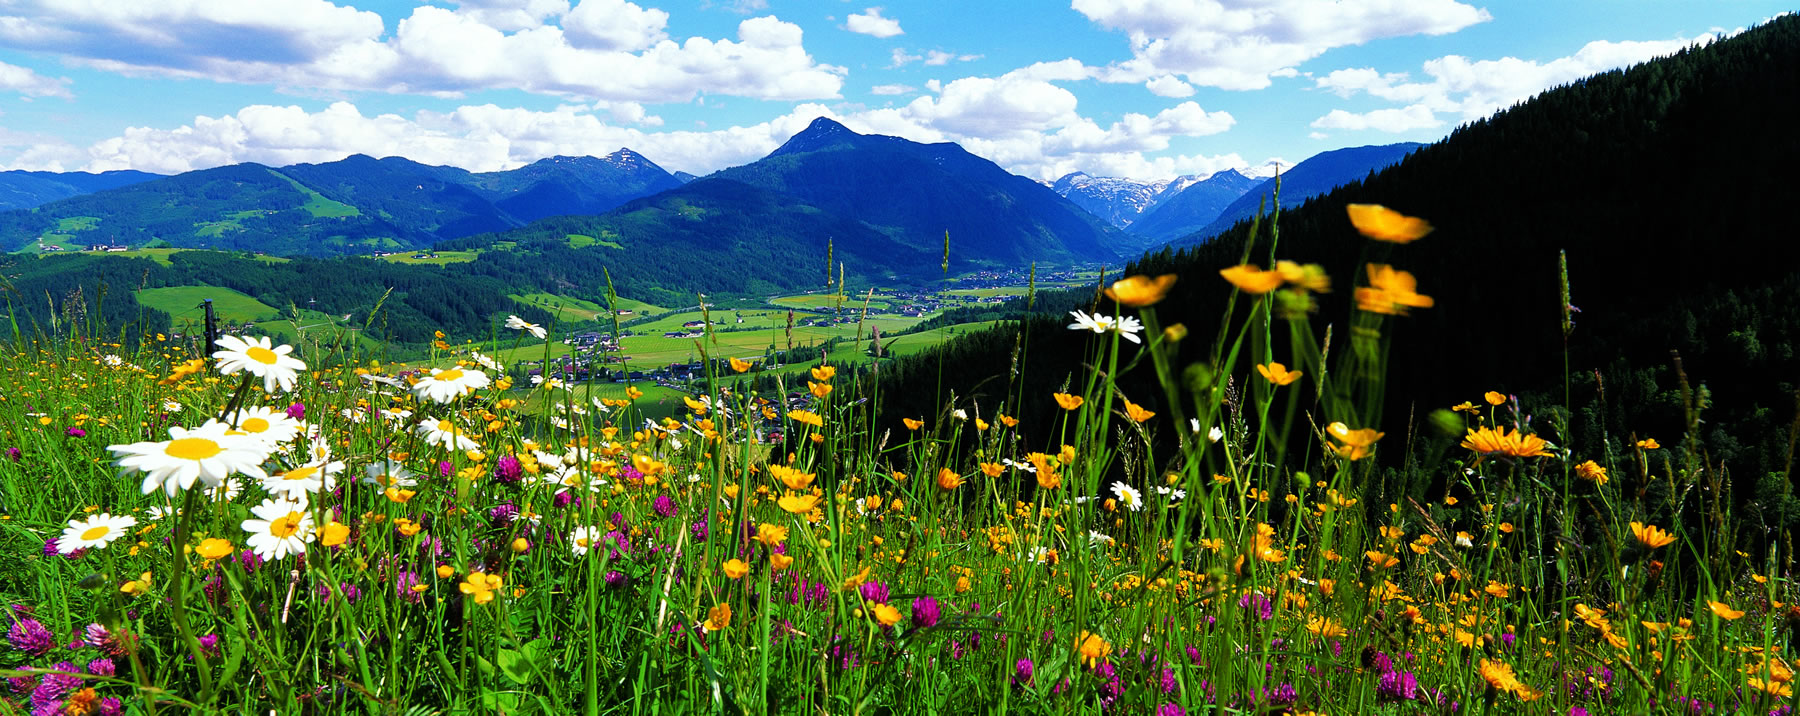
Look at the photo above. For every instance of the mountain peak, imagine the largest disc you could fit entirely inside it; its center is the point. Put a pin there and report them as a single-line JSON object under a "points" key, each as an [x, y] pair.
{"points": [[822, 133]]}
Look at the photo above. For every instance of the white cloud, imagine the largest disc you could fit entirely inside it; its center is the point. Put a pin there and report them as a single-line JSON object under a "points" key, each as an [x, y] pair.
{"points": [[29, 83], [899, 58], [614, 25], [1472, 89], [870, 22], [605, 49], [935, 58], [1168, 86], [1240, 44], [892, 89], [510, 15], [1404, 119]]}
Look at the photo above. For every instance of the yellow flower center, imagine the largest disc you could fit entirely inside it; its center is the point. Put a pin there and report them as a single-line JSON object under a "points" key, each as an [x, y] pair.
{"points": [[262, 355], [255, 425], [446, 426], [192, 449], [94, 533], [449, 375], [300, 473], [286, 526]]}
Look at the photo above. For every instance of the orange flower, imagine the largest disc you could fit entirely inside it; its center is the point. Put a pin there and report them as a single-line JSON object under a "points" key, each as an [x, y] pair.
{"points": [[1250, 279], [948, 479], [771, 534], [824, 373], [1008, 420], [1140, 291], [1137, 413], [1381, 560], [1651, 536], [1648, 444], [806, 416], [1356, 443], [1278, 374], [214, 548], [798, 504], [1490, 441], [719, 617], [1048, 479], [1310, 277], [886, 614], [1592, 472], [740, 365], [1326, 627], [780, 562], [1390, 291], [1069, 402], [736, 569], [793, 479], [1494, 397], [1724, 611], [992, 469], [912, 424], [819, 390], [1093, 648], [334, 534], [1383, 224]]}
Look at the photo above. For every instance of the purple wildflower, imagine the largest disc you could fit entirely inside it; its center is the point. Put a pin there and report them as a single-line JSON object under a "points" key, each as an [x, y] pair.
{"points": [[664, 506], [75, 433], [297, 411], [30, 636], [925, 612], [874, 591]]}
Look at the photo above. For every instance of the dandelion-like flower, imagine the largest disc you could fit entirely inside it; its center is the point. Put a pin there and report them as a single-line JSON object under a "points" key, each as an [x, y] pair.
{"points": [[206, 454], [284, 528], [1651, 535], [448, 384], [262, 358], [519, 324]]}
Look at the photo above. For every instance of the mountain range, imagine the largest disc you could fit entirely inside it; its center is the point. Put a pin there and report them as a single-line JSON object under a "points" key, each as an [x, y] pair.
{"points": [[353, 205], [23, 189]]}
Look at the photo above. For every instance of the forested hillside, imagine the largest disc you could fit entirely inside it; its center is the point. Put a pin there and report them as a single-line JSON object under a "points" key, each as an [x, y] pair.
{"points": [[1665, 184]]}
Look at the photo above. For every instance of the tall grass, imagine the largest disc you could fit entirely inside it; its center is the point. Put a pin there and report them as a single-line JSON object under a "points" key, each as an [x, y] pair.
{"points": [[1262, 561]]}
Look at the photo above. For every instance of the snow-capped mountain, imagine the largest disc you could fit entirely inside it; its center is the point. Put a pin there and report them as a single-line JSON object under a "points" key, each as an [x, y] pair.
{"points": [[1119, 201]]}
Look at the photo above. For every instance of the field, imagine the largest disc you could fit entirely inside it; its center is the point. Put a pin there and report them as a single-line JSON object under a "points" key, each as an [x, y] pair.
{"points": [[182, 303], [1254, 541], [433, 258]]}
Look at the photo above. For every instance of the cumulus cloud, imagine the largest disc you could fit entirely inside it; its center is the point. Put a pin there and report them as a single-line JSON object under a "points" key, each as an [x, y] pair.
{"points": [[1169, 86], [1471, 89], [510, 15], [1240, 44], [604, 49], [892, 89], [870, 22], [1404, 119], [935, 58], [29, 83]]}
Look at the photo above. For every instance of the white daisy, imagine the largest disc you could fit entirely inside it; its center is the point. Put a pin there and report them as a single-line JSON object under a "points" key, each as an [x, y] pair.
{"points": [[206, 454], [267, 424], [388, 473], [112, 360], [95, 531], [519, 324], [582, 538], [354, 415], [551, 384], [486, 362], [158, 513], [262, 358], [1128, 496], [284, 529], [304, 480], [1025, 466], [381, 379], [396, 415], [170, 406], [227, 490], [1125, 326], [445, 385], [1095, 538], [445, 433]]}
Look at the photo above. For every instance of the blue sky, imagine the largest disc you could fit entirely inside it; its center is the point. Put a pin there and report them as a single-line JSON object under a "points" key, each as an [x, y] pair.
{"points": [[1132, 88]]}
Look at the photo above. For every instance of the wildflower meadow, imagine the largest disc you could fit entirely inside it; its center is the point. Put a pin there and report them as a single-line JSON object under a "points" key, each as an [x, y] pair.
{"points": [[265, 528]]}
